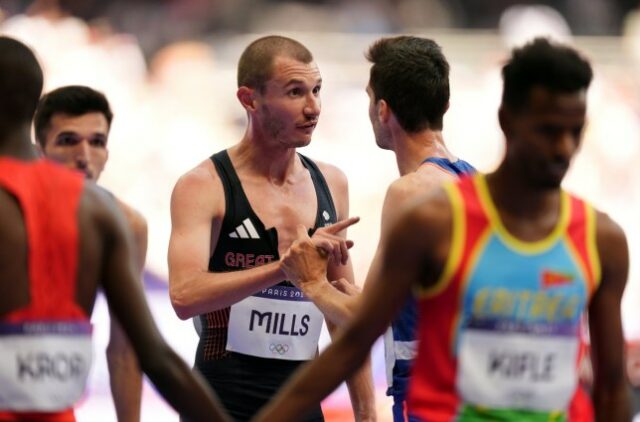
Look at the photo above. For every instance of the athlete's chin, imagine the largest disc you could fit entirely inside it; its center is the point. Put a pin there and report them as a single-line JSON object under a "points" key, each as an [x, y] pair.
{"points": [[549, 183], [300, 143]]}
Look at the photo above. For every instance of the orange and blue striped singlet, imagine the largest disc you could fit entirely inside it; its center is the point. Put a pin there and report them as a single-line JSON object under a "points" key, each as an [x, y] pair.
{"points": [[500, 331]]}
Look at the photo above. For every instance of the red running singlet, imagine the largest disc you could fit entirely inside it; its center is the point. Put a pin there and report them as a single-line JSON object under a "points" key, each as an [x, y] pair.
{"points": [[49, 198]]}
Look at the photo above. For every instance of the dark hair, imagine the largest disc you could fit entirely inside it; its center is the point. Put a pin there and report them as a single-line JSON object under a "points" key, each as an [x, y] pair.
{"points": [[74, 100], [256, 62], [20, 83], [412, 75], [556, 67]]}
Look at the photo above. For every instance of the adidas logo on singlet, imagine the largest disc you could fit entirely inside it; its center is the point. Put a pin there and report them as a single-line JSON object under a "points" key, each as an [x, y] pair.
{"points": [[246, 230]]}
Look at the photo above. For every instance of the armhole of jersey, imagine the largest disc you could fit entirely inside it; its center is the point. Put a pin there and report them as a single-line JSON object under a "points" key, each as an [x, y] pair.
{"points": [[220, 161], [319, 181], [592, 245], [458, 231]]}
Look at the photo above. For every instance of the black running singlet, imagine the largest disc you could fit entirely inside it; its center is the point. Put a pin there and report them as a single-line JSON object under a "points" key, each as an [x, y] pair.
{"points": [[243, 382]]}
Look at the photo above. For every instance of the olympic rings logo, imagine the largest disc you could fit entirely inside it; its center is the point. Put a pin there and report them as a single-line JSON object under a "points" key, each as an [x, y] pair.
{"points": [[279, 349]]}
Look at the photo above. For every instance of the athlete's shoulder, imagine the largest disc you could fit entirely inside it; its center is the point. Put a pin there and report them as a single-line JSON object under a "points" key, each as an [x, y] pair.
{"points": [[200, 191], [431, 174], [332, 174], [99, 204], [409, 192], [608, 231], [136, 220], [425, 217], [202, 180]]}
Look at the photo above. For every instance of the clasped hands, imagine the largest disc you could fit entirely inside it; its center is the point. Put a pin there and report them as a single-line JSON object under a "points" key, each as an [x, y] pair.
{"points": [[307, 258]]}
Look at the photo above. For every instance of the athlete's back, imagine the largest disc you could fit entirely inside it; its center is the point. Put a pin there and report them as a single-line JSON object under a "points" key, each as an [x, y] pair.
{"points": [[58, 239]]}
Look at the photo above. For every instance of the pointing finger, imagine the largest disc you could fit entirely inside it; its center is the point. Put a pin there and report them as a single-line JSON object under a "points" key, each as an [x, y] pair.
{"points": [[341, 225]]}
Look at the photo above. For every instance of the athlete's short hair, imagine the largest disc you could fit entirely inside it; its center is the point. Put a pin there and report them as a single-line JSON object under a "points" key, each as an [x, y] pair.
{"points": [[73, 100], [255, 67], [541, 62], [412, 75], [21, 83]]}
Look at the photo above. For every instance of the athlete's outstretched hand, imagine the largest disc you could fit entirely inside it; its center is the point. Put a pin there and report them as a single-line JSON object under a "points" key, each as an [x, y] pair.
{"points": [[307, 257], [328, 239]]}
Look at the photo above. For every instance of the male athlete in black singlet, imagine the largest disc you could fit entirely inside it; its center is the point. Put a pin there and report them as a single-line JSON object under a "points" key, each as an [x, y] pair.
{"points": [[235, 215]]}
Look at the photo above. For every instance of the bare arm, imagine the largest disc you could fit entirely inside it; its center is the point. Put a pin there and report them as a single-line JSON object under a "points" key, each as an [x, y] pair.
{"points": [[404, 256], [197, 201], [360, 384], [610, 395], [184, 390], [124, 371]]}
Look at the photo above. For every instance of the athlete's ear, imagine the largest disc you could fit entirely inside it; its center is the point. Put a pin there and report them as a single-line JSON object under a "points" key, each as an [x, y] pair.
{"points": [[39, 149], [246, 96], [384, 112], [505, 117]]}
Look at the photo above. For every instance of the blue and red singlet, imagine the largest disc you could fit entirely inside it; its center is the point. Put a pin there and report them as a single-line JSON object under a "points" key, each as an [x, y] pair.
{"points": [[400, 339], [500, 332], [45, 347]]}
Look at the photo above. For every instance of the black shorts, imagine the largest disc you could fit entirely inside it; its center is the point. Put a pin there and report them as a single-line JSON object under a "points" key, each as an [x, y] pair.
{"points": [[245, 384]]}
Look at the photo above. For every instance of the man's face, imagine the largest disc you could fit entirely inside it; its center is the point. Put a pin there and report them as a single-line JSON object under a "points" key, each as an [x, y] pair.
{"points": [[380, 134], [289, 106], [545, 135], [78, 142]]}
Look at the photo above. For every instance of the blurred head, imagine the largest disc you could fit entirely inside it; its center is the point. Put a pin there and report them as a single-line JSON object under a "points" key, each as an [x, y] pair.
{"points": [[279, 86], [72, 127], [411, 76], [20, 84], [543, 109]]}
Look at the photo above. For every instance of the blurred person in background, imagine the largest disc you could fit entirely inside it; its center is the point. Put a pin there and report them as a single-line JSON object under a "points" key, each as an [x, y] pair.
{"points": [[72, 128], [409, 95], [62, 238], [234, 216], [504, 267]]}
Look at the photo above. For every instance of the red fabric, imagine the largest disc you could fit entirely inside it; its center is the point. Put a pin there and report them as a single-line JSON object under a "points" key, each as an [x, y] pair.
{"points": [[64, 416], [49, 197], [432, 389]]}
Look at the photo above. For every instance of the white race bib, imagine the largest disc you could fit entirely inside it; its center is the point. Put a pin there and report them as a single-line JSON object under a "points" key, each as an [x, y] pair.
{"points": [[278, 323], [517, 370], [43, 365]]}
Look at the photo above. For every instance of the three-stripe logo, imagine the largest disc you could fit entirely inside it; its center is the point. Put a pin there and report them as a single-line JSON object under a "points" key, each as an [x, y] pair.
{"points": [[245, 230]]}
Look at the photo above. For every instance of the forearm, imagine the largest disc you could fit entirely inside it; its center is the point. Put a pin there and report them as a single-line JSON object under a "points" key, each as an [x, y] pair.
{"points": [[360, 386], [124, 375], [337, 307], [202, 292], [611, 404], [183, 389], [362, 393]]}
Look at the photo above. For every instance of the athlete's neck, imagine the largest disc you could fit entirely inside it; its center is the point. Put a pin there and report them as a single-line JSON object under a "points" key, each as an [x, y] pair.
{"points": [[277, 164], [412, 149], [510, 193], [17, 144]]}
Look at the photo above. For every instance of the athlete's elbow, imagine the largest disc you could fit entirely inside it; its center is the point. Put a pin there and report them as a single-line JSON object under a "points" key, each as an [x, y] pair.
{"points": [[183, 311], [181, 302]]}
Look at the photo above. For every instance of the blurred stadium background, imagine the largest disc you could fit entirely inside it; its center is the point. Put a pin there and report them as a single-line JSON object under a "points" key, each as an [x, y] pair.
{"points": [[168, 69]]}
